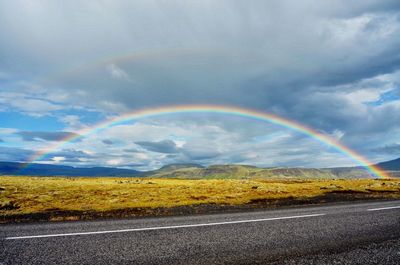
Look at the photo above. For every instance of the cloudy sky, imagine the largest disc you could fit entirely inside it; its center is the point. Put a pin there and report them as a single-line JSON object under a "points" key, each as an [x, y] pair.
{"points": [[333, 66]]}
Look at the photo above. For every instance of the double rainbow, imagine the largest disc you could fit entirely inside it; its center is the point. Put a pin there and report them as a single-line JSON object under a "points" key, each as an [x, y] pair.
{"points": [[215, 109]]}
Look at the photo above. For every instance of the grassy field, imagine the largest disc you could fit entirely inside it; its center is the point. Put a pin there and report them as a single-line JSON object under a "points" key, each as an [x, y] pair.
{"points": [[51, 196]]}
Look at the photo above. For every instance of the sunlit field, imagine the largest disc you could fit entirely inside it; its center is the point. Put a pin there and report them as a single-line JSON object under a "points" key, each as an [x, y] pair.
{"points": [[76, 198]]}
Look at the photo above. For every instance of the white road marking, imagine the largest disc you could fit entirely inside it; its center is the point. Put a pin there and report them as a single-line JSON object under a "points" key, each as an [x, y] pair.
{"points": [[384, 208], [164, 227]]}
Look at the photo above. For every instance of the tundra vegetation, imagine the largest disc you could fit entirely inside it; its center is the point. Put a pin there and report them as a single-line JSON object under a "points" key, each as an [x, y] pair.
{"points": [[62, 198]]}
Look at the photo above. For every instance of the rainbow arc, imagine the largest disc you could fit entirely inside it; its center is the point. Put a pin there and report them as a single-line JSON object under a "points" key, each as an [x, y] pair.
{"points": [[215, 109]]}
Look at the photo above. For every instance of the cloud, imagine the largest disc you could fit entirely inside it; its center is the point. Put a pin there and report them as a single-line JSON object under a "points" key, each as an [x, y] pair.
{"points": [[243, 60], [58, 159], [164, 146], [30, 99], [131, 150], [69, 156], [8, 131], [198, 150], [46, 136], [393, 149], [333, 66], [32, 106], [209, 140], [73, 121], [4, 76], [15, 154], [117, 73], [107, 142], [212, 140], [1, 140], [200, 154]]}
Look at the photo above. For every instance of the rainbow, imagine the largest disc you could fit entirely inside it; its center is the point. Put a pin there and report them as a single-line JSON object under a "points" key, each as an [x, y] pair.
{"points": [[138, 55], [216, 109]]}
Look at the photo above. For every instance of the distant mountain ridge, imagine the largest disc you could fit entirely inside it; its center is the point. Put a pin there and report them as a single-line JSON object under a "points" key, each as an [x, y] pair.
{"points": [[196, 171], [23, 169]]}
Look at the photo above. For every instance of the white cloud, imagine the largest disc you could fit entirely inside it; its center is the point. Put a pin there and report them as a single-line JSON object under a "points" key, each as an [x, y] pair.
{"points": [[338, 134], [208, 141], [8, 131], [72, 121], [114, 162], [117, 72], [34, 106], [58, 159], [30, 100]]}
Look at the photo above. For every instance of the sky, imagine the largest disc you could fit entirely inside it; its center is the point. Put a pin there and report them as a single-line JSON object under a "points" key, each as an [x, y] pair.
{"points": [[333, 66]]}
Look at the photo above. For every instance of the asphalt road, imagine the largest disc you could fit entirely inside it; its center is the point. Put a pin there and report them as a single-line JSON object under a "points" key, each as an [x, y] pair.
{"points": [[352, 233]]}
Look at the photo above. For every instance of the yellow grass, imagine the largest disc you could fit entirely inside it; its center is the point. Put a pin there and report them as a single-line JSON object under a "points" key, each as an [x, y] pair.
{"points": [[22, 195]]}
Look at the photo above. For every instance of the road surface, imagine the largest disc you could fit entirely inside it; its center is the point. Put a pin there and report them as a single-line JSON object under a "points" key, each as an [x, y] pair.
{"points": [[351, 233]]}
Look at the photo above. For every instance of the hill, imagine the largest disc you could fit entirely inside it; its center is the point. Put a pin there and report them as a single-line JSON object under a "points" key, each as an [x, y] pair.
{"points": [[188, 170], [194, 171], [390, 165], [238, 172]]}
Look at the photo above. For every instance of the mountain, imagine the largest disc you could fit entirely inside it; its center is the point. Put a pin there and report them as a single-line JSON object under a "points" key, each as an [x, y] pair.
{"points": [[196, 171], [390, 165], [15, 168]]}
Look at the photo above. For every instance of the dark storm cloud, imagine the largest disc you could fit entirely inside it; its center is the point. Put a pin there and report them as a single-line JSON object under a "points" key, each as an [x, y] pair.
{"points": [[164, 146], [393, 149], [286, 86], [201, 154], [131, 150], [107, 142], [15, 154], [199, 151], [350, 9], [46, 136], [262, 55], [186, 152]]}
